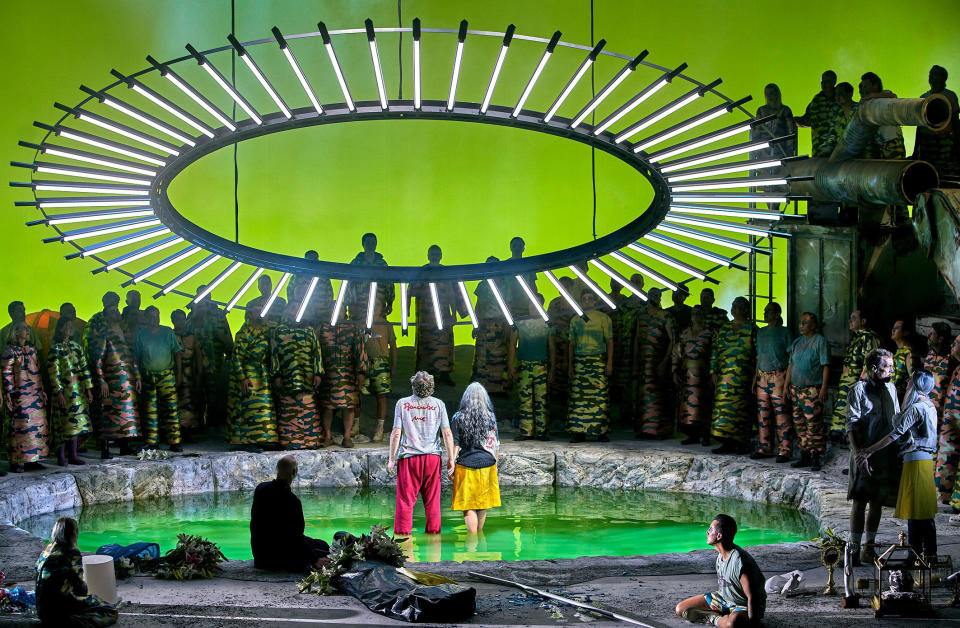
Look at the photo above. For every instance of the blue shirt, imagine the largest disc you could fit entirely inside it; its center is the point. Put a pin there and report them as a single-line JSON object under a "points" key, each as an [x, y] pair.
{"points": [[534, 337], [808, 356], [773, 343]]}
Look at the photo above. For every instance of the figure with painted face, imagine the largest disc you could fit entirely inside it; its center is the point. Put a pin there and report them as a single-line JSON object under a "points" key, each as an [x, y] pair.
{"points": [[691, 372], [821, 116], [781, 125], [940, 149], [491, 339], [251, 421], [871, 407], [277, 309], [905, 360], [71, 388], [115, 369], [715, 317], [863, 342], [732, 364], [434, 341], [358, 292], [939, 362], [807, 378], [948, 450], [655, 336], [589, 369], [25, 401], [297, 369], [769, 383], [160, 360]]}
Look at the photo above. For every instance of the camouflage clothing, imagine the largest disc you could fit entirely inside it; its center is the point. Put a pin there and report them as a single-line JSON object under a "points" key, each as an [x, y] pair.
{"points": [[781, 125], [344, 360], [559, 313], [23, 390], [250, 416], [904, 363], [715, 318], [941, 367], [624, 323], [62, 597], [379, 378], [208, 324], [941, 149], [434, 347], [115, 365], [589, 393], [854, 358], [681, 316], [158, 393], [732, 360], [189, 418], [691, 364], [948, 451], [296, 361], [320, 308], [821, 117], [131, 322], [655, 333], [276, 313], [491, 340], [773, 413], [68, 373], [808, 419], [358, 293], [532, 393]]}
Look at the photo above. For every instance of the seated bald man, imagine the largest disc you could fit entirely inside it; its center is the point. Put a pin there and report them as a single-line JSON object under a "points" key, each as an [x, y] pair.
{"points": [[276, 525]]}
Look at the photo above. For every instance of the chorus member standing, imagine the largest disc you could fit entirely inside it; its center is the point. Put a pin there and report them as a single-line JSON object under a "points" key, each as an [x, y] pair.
{"points": [[888, 143], [381, 346], [215, 342], [159, 358], [358, 293], [691, 372], [190, 420], [626, 361], [18, 314], [115, 367], [132, 318], [863, 342], [904, 358], [848, 107], [915, 432], [654, 347], [940, 149], [871, 408], [476, 444], [590, 366], [277, 309], [781, 125], [938, 362], [434, 335], [345, 366], [948, 452], [25, 400], [680, 311], [807, 379], [420, 423], [776, 426], [72, 392], [297, 368], [533, 349], [93, 334], [492, 336], [251, 422], [732, 363], [559, 312], [716, 316], [821, 116]]}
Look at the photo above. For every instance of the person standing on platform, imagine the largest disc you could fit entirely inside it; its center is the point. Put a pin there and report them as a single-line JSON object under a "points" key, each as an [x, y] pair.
{"points": [[732, 364], [93, 333], [848, 107], [18, 314], [626, 361], [904, 359], [132, 317], [680, 311], [209, 324], [781, 125], [72, 392], [476, 441], [115, 368], [691, 373], [381, 347], [559, 314], [297, 368], [940, 149], [939, 362], [491, 340], [265, 286], [358, 293], [948, 451], [533, 349], [159, 358], [888, 143], [320, 306], [871, 407], [421, 431], [345, 366], [434, 346], [915, 432], [821, 116], [806, 381], [251, 422], [716, 317], [590, 366], [190, 420], [25, 400], [69, 311], [618, 380], [773, 403], [517, 299], [655, 338], [854, 356]]}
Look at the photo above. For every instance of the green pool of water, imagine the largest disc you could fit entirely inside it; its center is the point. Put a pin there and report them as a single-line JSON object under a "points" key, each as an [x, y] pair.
{"points": [[534, 522]]}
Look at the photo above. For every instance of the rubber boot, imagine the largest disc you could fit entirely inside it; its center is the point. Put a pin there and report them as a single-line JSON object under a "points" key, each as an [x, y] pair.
{"points": [[378, 433], [815, 464], [72, 454], [804, 461], [62, 455], [105, 450]]}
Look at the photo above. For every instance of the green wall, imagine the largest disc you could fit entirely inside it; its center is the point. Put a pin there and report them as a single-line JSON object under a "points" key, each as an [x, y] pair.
{"points": [[466, 187]]}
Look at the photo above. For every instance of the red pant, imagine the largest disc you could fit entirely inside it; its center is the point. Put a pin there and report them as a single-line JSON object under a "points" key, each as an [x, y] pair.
{"points": [[417, 474]]}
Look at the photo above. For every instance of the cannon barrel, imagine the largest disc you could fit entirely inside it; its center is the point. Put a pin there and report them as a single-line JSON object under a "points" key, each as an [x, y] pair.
{"points": [[932, 112], [877, 181]]}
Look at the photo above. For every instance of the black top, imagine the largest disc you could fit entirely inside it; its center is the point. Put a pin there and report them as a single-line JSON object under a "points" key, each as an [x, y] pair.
{"points": [[472, 456], [276, 530]]}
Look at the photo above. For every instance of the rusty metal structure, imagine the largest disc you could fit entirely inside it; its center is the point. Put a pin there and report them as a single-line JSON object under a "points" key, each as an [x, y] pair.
{"points": [[859, 181], [932, 112]]}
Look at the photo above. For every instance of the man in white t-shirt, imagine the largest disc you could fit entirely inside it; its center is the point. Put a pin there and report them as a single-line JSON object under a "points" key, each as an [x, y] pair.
{"points": [[419, 421]]}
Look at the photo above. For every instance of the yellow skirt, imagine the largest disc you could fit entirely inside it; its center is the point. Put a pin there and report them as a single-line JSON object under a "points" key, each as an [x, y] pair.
{"points": [[917, 498], [475, 489]]}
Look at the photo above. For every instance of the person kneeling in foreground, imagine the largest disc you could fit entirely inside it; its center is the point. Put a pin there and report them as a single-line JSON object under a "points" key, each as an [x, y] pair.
{"points": [[276, 526], [418, 423], [62, 598], [741, 599], [475, 484]]}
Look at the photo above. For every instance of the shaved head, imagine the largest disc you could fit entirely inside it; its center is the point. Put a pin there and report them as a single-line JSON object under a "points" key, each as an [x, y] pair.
{"points": [[287, 469]]}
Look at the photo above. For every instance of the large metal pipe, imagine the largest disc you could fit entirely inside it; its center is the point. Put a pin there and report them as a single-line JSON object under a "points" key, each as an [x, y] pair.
{"points": [[876, 181], [932, 112]]}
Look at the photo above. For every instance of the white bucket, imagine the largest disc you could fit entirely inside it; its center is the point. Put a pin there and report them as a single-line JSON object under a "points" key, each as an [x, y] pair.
{"points": [[100, 578]]}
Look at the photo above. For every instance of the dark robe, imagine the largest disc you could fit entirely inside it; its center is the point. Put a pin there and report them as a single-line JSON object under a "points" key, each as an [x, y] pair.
{"points": [[276, 530]]}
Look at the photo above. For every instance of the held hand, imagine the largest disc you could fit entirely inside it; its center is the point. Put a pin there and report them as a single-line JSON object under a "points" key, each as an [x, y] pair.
{"points": [[104, 390], [43, 397], [61, 400], [392, 467], [451, 465], [360, 380], [862, 459], [316, 381], [512, 372], [245, 386]]}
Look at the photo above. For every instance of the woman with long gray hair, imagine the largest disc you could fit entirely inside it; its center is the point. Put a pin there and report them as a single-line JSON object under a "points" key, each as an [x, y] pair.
{"points": [[476, 442]]}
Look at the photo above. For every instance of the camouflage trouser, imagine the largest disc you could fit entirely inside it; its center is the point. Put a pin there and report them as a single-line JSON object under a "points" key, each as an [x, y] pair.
{"points": [[948, 454], [339, 388], [298, 423], [252, 420], [28, 429], [839, 420], [694, 408], [72, 421], [808, 419], [657, 417], [434, 348], [532, 391], [378, 380], [731, 408], [490, 355], [773, 410], [158, 394], [587, 413]]}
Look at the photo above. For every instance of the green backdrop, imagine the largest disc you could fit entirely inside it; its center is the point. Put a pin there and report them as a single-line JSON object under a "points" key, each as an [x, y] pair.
{"points": [[464, 186]]}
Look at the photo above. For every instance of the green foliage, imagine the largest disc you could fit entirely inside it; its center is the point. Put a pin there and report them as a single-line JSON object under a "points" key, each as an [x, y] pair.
{"points": [[378, 545], [830, 539], [193, 557]]}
